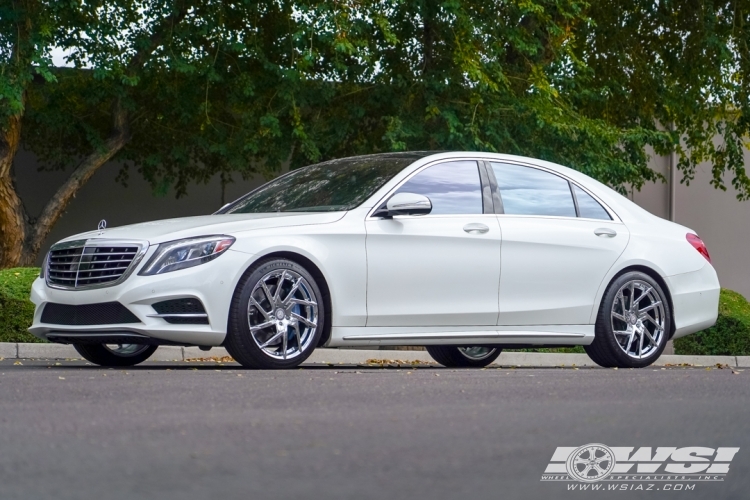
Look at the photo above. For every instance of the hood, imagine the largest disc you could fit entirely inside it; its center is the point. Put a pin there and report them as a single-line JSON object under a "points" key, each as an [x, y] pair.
{"points": [[204, 225]]}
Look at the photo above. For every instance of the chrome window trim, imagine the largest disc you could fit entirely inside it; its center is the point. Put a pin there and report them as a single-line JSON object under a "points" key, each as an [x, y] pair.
{"points": [[615, 217], [97, 242], [403, 181]]}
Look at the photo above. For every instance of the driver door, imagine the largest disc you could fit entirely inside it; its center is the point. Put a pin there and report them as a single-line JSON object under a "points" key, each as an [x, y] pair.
{"points": [[440, 269]]}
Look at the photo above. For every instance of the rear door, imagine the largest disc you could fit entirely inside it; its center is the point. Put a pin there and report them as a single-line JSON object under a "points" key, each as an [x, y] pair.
{"points": [[558, 244], [441, 269]]}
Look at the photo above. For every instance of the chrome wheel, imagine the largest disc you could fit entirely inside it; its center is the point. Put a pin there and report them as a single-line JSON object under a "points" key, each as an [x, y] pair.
{"points": [[638, 319], [477, 353], [282, 314], [126, 350]]}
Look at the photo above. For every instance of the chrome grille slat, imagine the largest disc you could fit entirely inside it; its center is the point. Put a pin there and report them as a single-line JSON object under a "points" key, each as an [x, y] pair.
{"points": [[92, 263]]}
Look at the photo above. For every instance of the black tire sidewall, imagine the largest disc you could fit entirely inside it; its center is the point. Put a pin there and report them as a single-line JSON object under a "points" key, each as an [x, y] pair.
{"points": [[451, 357], [240, 343], [100, 355]]}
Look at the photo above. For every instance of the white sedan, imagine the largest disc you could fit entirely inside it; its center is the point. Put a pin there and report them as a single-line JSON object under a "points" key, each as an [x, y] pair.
{"points": [[464, 253]]}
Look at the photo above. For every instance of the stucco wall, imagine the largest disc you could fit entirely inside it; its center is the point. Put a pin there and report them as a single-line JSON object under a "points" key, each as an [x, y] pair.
{"points": [[721, 220]]}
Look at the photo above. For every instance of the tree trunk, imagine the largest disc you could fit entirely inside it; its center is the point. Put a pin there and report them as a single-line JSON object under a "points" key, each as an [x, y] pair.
{"points": [[13, 223], [56, 206]]}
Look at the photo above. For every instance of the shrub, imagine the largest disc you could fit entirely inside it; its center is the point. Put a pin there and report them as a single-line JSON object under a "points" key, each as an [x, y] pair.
{"points": [[16, 310], [731, 334]]}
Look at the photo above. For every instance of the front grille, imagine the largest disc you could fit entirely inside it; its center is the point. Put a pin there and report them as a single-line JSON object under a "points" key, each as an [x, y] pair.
{"points": [[90, 263], [105, 313]]}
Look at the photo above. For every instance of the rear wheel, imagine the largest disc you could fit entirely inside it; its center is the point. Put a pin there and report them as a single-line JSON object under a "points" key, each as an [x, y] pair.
{"points": [[633, 324], [277, 316], [115, 354], [463, 357]]}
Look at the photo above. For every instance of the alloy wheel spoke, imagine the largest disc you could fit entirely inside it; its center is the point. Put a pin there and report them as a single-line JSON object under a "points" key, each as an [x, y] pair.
{"points": [[284, 338], [632, 295], [261, 326], [630, 340], [619, 316], [648, 334], [304, 320], [646, 317], [257, 305], [272, 339], [640, 344], [650, 307], [302, 302], [299, 338], [644, 295], [294, 288], [269, 295], [280, 282]]}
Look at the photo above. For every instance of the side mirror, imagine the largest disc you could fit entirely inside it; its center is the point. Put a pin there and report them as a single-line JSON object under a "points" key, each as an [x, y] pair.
{"points": [[405, 204]]}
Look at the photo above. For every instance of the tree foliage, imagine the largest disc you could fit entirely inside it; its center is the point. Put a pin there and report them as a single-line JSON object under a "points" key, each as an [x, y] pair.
{"points": [[200, 88]]}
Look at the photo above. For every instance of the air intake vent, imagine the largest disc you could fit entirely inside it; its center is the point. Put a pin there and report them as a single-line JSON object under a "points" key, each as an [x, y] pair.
{"points": [[91, 263], [181, 312], [106, 313]]}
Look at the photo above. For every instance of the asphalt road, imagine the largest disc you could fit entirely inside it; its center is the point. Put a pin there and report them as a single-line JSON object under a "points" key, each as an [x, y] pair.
{"points": [[183, 430]]}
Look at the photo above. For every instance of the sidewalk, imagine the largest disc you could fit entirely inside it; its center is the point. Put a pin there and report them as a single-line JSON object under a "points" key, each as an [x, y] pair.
{"points": [[359, 356]]}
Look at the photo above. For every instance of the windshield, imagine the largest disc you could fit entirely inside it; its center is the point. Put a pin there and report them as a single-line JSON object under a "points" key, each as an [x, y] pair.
{"points": [[330, 186]]}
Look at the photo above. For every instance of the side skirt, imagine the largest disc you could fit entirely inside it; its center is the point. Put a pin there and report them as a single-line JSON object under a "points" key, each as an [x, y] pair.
{"points": [[561, 335]]}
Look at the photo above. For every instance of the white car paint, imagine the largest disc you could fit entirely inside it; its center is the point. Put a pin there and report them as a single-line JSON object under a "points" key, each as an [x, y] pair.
{"points": [[421, 279]]}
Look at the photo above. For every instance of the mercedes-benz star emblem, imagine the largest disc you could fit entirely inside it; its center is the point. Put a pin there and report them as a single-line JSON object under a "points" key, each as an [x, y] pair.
{"points": [[102, 225]]}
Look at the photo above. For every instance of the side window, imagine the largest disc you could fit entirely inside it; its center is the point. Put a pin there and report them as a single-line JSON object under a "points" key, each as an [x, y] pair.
{"points": [[588, 207], [452, 187], [530, 191]]}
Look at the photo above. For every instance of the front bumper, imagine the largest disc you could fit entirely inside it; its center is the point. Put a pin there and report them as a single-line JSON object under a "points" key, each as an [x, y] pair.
{"points": [[212, 283], [695, 298]]}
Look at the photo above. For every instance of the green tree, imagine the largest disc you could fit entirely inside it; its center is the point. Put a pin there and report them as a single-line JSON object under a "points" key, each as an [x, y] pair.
{"points": [[188, 90]]}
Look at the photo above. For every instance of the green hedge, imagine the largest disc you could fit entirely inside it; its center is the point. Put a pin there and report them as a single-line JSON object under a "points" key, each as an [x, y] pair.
{"points": [[16, 310], [731, 334]]}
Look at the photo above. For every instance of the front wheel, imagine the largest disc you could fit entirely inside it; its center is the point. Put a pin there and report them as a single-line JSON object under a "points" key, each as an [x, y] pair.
{"points": [[463, 357], [633, 324], [277, 316], [115, 354]]}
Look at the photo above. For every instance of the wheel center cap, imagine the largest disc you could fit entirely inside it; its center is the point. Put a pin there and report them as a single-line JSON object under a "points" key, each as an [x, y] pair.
{"points": [[280, 314], [632, 318]]}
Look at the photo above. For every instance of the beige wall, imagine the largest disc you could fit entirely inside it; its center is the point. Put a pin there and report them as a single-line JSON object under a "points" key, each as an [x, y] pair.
{"points": [[719, 219], [717, 216]]}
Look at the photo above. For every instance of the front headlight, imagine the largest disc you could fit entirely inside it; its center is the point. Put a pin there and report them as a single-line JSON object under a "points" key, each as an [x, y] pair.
{"points": [[181, 254]]}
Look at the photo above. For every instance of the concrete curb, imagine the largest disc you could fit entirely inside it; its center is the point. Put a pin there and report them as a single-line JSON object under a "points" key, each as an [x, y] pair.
{"points": [[10, 350]]}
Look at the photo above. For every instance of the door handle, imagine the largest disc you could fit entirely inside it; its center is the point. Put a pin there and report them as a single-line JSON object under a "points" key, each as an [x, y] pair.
{"points": [[605, 232], [475, 228]]}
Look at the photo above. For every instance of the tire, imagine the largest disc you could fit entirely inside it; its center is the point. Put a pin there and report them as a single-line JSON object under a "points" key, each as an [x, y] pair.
{"points": [[284, 342], [124, 355], [463, 357], [633, 323]]}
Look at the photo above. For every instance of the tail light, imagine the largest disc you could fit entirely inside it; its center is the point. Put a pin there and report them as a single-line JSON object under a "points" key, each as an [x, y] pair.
{"points": [[698, 244]]}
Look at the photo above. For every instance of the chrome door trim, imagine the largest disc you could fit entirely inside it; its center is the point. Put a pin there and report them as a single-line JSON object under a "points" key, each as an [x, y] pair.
{"points": [[612, 213], [403, 181], [460, 336]]}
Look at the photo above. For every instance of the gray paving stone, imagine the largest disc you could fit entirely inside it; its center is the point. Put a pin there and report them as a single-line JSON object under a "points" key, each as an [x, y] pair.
{"points": [[8, 350], [696, 360], [47, 351], [167, 353], [194, 352]]}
